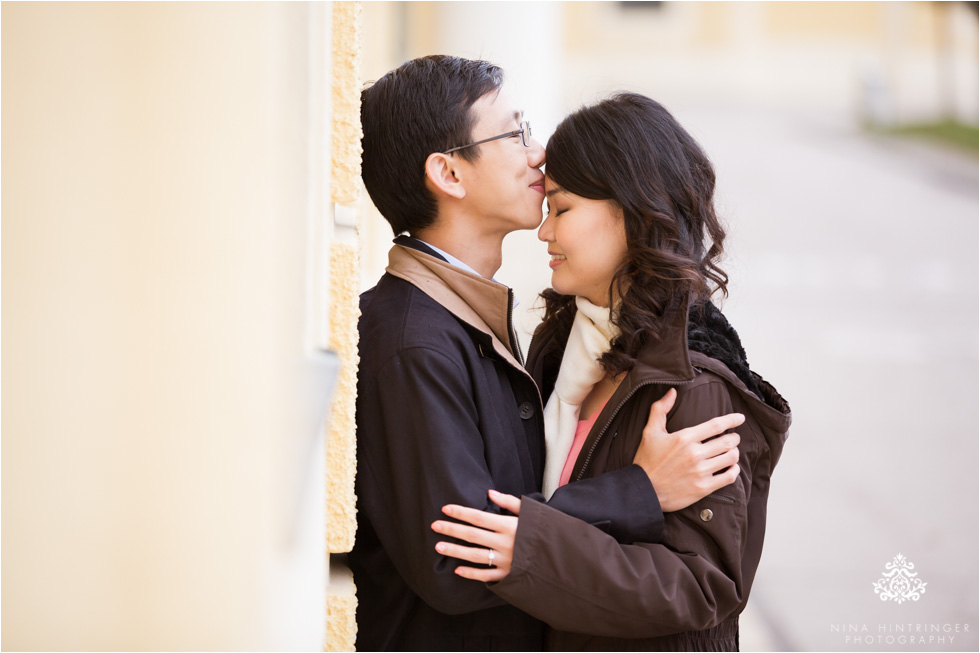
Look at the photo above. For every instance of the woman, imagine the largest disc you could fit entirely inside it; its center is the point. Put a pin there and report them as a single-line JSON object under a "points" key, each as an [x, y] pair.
{"points": [[629, 318]]}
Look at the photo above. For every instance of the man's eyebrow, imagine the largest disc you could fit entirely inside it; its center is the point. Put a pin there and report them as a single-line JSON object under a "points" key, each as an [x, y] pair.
{"points": [[518, 116]]}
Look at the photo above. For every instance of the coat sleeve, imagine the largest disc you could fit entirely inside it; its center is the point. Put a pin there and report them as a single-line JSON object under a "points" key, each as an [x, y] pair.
{"points": [[622, 503], [578, 579]]}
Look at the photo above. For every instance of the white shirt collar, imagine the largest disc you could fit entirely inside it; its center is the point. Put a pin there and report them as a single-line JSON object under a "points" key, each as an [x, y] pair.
{"points": [[452, 260]]}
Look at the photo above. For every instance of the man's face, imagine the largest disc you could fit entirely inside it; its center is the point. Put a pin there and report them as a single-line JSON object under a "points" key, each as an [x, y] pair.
{"points": [[505, 185]]}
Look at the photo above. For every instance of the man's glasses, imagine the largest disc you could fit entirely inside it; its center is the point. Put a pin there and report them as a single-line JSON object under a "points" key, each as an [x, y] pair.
{"points": [[524, 132]]}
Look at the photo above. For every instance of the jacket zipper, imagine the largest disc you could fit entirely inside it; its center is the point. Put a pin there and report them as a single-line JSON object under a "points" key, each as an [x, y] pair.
{"points": [[515, 344], [598, 439]]}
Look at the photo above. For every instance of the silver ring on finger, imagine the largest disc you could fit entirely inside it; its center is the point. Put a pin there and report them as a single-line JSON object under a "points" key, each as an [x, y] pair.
{"points": [[490, 555]]}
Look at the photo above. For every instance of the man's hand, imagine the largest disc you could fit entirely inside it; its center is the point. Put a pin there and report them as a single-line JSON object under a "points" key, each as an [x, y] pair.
{"points": [[682, 465]]}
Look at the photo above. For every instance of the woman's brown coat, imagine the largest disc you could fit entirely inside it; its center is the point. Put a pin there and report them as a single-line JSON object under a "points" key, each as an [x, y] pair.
{"points": [[686, 592]]}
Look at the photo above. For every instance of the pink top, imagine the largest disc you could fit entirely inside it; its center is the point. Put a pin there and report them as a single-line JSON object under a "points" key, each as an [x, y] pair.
{"points": [[581, 432]]}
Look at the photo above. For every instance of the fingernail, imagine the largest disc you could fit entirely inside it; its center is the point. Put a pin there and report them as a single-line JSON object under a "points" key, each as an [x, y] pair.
{"points": [[441, 547], [494, 492], [437, 526]]}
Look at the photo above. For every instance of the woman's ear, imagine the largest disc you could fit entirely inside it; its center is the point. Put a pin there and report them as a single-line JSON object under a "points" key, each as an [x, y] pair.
{"points": [[441, 175]]}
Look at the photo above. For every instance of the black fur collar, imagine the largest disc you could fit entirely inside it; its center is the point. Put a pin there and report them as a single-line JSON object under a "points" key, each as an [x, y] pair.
{"points": [[709, 333]]}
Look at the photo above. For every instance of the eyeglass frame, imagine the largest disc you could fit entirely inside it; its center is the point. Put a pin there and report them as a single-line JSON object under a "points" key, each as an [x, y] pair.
{"points": [[525, 129]]}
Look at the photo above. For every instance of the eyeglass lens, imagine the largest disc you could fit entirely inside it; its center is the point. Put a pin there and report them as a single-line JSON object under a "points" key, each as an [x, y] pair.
{"points": [[526, 133]]}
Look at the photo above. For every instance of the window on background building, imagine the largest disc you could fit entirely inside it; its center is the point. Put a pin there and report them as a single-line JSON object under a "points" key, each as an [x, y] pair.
{"points": [[641, 4]]}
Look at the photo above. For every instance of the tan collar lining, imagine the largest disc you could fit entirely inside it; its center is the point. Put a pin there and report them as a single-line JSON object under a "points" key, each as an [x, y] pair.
{"points": [[480, 303]]}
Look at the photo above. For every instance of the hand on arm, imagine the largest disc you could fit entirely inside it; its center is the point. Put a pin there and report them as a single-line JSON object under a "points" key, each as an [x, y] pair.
{"points": [[488, 532], [579, 579], [683, 467]]}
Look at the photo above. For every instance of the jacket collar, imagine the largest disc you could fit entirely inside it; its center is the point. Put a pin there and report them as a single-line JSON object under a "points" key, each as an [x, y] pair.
{"points": [[670, 361], [666, 360], [483, 304], [414, 243]]}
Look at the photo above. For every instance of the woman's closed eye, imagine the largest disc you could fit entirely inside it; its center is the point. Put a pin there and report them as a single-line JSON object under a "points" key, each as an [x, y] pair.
{"points": [[554, 209]]}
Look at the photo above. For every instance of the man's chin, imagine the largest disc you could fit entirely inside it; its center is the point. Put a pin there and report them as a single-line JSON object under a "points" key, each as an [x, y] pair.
{"points": [[532, 222]]}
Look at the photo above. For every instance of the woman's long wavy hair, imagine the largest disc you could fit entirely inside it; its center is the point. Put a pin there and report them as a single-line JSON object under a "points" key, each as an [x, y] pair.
{"points": [[630, 150]]}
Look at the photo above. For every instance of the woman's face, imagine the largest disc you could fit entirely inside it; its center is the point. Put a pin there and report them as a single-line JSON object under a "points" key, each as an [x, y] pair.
{"points": [[587, 243]]}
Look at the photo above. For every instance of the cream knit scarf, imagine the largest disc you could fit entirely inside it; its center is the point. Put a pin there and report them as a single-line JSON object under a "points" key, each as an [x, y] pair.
{"points": [[589, 339]]}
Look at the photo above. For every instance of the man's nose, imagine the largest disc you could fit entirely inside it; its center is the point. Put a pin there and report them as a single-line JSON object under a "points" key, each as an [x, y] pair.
{"points": [[535, 154]]}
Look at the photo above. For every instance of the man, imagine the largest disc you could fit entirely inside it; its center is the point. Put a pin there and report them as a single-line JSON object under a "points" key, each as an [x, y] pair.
{"points": [[445, 410]]}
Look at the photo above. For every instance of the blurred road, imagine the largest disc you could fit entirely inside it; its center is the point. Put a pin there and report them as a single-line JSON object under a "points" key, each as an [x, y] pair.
{"points": [[854, 262]]}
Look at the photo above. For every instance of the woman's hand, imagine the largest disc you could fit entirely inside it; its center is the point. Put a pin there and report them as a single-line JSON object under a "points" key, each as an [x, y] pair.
{"points": [[489, 532], [683, 467]]}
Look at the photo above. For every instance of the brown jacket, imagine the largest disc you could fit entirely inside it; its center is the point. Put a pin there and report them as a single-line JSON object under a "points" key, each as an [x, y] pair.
{"points": [[684, 593]]}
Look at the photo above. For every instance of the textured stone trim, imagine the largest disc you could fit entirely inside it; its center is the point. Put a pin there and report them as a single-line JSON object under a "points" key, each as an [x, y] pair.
{"points": [[346, 100], [340, 446]]}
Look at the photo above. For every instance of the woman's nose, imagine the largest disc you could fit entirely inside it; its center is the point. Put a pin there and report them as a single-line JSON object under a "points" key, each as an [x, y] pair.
{"points": [[544, 231]]}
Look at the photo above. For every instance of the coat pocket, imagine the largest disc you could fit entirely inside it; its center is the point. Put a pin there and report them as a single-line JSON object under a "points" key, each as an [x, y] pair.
{"points": [[716, 525]]}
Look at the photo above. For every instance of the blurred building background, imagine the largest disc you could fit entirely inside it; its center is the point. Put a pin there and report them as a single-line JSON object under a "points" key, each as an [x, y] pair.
{"points": [[183, 222]]}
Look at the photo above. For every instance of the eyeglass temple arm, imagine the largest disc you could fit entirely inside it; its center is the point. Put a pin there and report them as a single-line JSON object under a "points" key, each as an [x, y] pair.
{"points": [[492, 138]]}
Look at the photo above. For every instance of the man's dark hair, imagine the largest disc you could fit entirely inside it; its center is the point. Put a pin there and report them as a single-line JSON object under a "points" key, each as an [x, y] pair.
{"points": [[417, 109]]}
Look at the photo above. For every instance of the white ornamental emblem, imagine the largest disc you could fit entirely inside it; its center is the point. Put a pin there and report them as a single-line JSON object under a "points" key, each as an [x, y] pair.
{"points": [[899, 582]]}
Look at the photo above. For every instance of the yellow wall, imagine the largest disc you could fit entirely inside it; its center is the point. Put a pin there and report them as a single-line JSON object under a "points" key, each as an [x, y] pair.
{"points": [[163, 456]]}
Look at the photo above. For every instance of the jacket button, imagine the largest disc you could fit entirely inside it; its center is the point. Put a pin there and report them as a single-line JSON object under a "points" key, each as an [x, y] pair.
{"points": [[527, 410], [706, 515]]}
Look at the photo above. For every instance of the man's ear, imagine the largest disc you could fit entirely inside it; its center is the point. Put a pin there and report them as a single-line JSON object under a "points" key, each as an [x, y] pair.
{"points": [[441, 175]]}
